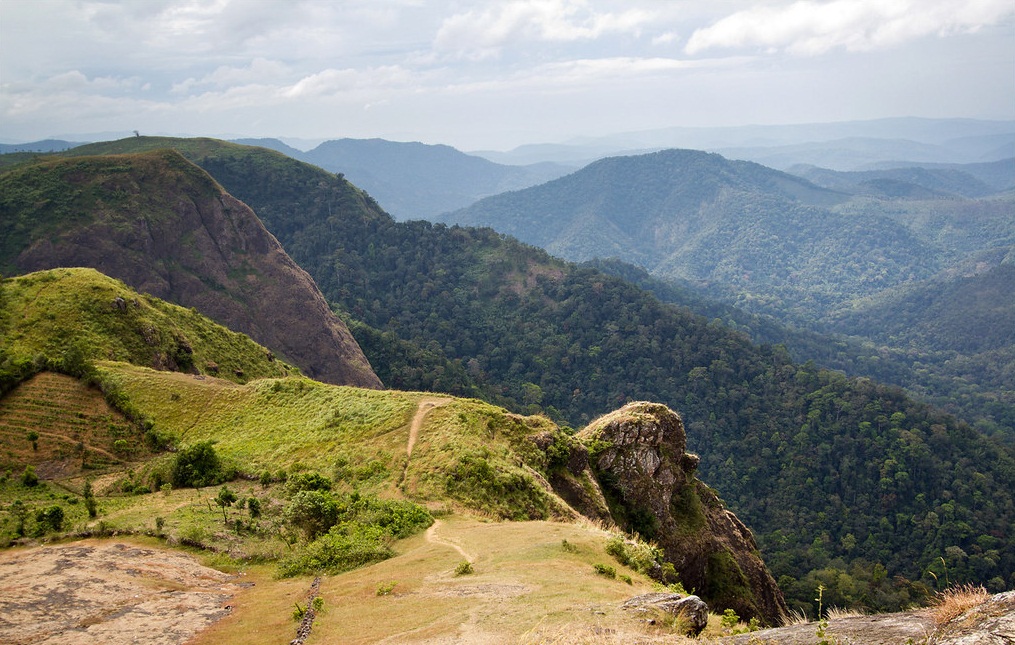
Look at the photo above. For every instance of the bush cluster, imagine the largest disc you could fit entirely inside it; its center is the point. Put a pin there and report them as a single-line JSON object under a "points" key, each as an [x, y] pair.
{"points": [[342, 532]]}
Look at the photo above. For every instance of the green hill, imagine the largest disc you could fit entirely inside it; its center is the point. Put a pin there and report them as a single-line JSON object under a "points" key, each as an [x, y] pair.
{"points": [[79, 315], [66, 320]]}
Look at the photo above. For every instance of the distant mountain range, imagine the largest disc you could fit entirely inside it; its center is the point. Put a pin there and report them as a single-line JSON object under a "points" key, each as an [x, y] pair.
{"points": [[415, 180], [852, 145], [47, 145]]}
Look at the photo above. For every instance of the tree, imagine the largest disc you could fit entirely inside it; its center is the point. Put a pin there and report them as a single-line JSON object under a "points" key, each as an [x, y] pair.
{"points": [[313, 512], [49, 518], [33, 436], [29, 479], [197, 466], [224, 500], [89, 496]]}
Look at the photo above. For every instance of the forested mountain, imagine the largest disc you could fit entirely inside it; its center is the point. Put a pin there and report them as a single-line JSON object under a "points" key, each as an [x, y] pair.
{"points": [[783, 250], [420, 181], [845, 481], [162, 225], [814, 260], [975, 384], [999, 175]]}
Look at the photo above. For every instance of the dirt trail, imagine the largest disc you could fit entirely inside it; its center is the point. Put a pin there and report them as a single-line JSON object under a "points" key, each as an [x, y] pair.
{"points": [[433, 538], [425, 405]]}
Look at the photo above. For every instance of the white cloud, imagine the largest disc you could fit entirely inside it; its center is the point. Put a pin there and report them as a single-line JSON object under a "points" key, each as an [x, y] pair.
{"points": [[481, 33], [808, 27], [259, 70]]}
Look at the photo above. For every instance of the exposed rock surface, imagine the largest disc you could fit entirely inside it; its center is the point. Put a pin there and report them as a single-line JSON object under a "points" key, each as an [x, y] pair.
{"points": [[690, 608], [107, 592], [880, 629], [992, 623], [648, 478], [164, 227]]}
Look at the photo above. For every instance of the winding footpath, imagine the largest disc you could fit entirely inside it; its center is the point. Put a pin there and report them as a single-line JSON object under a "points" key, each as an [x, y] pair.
{"points": [[425, 405]]}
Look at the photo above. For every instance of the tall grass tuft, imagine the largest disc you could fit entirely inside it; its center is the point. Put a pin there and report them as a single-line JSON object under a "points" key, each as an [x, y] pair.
{"points": [[954, 601]]}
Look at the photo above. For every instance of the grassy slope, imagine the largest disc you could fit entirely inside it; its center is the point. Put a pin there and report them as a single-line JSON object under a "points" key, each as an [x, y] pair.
{"points": [[49, 312], [272, 424]]}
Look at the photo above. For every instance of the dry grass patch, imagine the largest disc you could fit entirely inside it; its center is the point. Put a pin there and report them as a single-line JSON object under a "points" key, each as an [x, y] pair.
{"points": [[837, 613], [954, 601], [522, 578]]}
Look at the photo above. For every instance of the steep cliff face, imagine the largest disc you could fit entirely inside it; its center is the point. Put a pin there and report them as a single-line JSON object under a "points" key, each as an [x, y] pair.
{"points": [[638, 454], [164, 227]]}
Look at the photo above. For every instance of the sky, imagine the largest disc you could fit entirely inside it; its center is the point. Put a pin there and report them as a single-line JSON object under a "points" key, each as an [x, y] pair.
{"points": [[492, 75]]}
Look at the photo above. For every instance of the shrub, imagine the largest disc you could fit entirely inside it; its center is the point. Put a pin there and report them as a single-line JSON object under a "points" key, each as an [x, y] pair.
{"points": [[49, 519], [558, 453], [605, 570], [646, 559], [196, 466], [297, 482], [313, 512], [28, 478], [266, 479], [341, 549], [347, 532], [386, 588], [464, 568]]}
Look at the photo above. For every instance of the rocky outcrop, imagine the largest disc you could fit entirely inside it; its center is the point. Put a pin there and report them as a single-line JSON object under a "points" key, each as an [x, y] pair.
{"points": [[692, 610], [639, 455], [575, 483], [165, 227]]}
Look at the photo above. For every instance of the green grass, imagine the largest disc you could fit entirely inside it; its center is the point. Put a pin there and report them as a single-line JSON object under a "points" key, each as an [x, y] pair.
{"points": [[83, 315], [273, 424]]}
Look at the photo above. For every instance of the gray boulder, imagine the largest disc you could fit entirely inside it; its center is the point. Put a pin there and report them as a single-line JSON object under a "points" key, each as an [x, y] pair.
{"points": [[689, 608]]}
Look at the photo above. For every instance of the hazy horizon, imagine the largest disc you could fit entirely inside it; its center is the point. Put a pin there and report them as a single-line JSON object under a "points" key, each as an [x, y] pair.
{"points": [[493, 75]]}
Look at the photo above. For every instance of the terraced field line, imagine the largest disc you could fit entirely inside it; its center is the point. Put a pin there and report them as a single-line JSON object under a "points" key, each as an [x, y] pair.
{"points": [[425, 405]]}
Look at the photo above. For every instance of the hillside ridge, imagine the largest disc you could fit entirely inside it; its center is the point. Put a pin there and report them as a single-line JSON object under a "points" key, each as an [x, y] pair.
{"points": [[164, 226]]}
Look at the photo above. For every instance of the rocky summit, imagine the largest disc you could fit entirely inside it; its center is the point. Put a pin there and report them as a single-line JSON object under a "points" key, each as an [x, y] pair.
{"points": [[649, 485]]}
